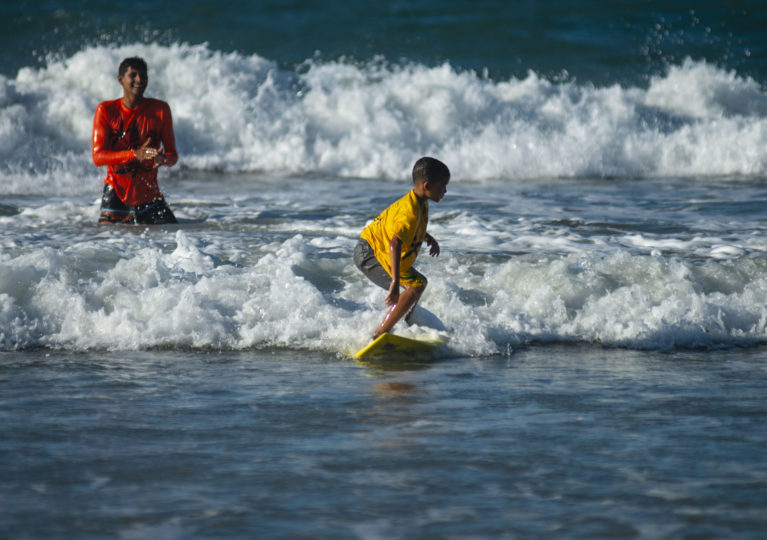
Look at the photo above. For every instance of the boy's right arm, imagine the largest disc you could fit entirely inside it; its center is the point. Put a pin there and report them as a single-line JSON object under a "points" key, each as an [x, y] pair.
{"points": [[395, 253]]}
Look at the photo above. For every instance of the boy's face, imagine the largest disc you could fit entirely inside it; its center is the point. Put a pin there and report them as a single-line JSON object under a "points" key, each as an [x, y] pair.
{"points": [[435, 189]]}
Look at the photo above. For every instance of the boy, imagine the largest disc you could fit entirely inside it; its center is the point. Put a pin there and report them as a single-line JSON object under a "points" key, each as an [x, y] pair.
{"points": [[390, 244], [133, 136]]}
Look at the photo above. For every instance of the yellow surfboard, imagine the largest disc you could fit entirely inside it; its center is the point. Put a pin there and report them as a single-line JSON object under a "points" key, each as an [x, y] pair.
{"points": [[399, 346]]}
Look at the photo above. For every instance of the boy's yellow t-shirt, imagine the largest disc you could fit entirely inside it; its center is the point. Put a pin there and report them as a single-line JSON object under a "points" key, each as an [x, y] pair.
{"points": [[406, 219]]}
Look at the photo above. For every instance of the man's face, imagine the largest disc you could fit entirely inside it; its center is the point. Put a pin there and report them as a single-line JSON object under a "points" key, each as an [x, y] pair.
{"points": [[134, 82]]}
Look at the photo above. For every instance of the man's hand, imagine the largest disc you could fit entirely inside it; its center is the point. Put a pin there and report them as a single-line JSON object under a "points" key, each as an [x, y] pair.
{"points": [[145, 151], [160, 159]]}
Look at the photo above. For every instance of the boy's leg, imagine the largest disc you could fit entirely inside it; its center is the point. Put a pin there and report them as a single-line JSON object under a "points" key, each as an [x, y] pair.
{"points": [[407, 301], [365, 260], [416, 280]]}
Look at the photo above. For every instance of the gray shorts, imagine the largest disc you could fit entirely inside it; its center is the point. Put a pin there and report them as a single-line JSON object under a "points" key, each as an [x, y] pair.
{"points": [[366, 261]]}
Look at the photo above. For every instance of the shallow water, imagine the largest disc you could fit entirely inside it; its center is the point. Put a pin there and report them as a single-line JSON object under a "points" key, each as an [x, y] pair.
{"points": [[262, 262], [572, 441], [602, 277]]}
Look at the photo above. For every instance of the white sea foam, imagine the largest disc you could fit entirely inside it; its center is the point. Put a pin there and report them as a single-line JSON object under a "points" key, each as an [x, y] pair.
{"points": [[263, 259], [236, 112], [157, 290]]}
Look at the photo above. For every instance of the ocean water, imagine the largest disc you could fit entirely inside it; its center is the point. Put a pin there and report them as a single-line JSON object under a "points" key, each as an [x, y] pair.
{"points": [[602, 278]]}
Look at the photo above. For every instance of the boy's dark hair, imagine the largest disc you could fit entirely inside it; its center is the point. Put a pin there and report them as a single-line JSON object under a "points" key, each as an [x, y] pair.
{"points": [[134, 62], [429, 168]]}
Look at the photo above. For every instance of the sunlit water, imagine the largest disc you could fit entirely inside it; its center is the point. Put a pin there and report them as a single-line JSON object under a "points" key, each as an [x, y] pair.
{"points": [[602, 276]]}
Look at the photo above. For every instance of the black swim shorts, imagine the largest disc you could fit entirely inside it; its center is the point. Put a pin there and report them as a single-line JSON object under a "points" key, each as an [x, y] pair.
{"points": [[366, 261], [113, 210]]}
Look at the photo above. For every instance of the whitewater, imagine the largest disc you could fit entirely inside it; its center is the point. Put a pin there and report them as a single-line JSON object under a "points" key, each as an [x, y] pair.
{"points": [[241, 113], [622, 216]]}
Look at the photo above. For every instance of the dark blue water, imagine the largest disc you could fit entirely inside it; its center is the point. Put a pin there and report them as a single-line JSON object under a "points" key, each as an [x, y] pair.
{"points": [[603, 42], [550, 442]]}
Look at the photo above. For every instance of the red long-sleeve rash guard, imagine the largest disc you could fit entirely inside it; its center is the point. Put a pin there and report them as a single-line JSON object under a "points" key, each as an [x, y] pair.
{"points": [[118, 132]]}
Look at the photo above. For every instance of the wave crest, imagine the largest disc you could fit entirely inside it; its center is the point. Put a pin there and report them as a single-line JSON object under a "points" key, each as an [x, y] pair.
{"points": [[243, 113]]}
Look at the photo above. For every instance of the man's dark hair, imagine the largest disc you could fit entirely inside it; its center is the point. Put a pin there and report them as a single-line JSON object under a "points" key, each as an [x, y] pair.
{"points": [[134, 62], [429, 168]]}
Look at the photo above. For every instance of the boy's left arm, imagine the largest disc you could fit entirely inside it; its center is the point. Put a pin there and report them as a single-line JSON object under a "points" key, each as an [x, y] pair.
{"points": [[433, 245]]}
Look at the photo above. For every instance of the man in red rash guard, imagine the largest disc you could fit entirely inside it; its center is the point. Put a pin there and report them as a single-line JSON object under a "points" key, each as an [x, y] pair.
{"points": [[133, 136]]}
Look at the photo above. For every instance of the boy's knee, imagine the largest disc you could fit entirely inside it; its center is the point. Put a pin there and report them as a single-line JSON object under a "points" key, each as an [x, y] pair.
{"points": [[418, 281], [422, 285]]}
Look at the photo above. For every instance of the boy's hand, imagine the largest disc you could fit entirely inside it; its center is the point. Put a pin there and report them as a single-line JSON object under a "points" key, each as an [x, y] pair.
{"points": [[393, 297], [433, 245]]}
